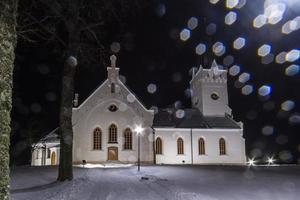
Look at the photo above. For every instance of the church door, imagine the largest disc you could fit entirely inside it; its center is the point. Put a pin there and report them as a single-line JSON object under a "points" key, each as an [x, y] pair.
{"points": [[53, 158], [112, 153]]}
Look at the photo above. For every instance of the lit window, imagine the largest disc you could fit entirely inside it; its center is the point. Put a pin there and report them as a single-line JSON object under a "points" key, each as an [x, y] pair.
{"points": [[113, 134], [201, 145], [180, 146], [158, 146], [97, 139], [128, 139], [222, 146]]}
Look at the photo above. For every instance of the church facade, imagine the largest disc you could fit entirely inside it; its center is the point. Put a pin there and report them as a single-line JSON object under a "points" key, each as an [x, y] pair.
{"points": [[111, 122]]}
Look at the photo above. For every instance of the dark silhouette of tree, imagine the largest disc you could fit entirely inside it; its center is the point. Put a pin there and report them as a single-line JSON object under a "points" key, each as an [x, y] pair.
{"points": [[7, 56], [77, 31]]}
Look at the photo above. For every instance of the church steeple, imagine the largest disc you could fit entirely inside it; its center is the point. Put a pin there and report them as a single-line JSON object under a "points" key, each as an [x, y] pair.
{"points": [[113, 71]]}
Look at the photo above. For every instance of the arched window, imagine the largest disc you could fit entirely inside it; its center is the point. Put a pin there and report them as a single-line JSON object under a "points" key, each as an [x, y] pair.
{"points": [[201, 144], [97, 144], [127, 139], [112, 88], [180, 147], [113, 134], [158, 146], [222, 146]]}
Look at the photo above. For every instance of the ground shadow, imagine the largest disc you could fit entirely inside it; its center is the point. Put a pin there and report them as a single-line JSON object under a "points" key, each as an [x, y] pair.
{"points": [[36, 188]]}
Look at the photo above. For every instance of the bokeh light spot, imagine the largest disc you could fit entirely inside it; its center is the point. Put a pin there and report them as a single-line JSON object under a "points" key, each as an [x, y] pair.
{"points": [[230, 18], [267, 130], [192, 23], [292, 70], [200, 49], [211, 29], [231, 3], [244, 77], [234, 70], [185, 34], [288, 105], [292, 55], [247, 89], [239, 43], [264, 50], [264, 90], [151, 88]]}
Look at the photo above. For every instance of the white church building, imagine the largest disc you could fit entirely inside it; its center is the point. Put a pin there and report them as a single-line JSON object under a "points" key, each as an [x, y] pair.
{"points": [[109, 123]]}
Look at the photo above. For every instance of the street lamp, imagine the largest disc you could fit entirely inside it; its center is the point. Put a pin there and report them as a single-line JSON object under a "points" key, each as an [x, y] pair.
{"points": [[139, 130]]}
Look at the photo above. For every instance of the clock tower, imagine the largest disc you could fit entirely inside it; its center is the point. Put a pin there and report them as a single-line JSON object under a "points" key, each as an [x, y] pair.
{"points": [[209, 88]]}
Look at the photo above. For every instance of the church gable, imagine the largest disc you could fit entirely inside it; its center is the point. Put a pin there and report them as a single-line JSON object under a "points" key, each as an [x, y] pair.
{"points": [[110, 91]]}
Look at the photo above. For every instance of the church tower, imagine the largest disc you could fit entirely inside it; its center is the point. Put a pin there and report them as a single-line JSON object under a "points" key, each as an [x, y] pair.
{"points": [[113, 75], [210, 94]]}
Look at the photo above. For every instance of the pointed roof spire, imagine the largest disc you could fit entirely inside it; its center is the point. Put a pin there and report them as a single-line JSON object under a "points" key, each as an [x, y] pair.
{"points": [[113, 60], [214, 65]]}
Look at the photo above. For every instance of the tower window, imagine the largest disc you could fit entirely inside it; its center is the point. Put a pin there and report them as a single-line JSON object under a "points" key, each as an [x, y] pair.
{"points": [[112, 88]]}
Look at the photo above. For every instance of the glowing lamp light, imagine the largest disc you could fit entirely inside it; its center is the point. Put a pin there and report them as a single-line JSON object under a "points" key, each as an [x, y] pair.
{"points": [[138, 129], [270, 160], [251, 162]]}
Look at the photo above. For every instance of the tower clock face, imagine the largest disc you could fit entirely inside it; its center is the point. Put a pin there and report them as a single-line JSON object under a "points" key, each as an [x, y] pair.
{"points": [[215, 96]]}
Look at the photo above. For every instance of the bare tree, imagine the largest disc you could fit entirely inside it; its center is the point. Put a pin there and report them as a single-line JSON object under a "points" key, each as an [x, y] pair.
{"points": [[77, 27]]}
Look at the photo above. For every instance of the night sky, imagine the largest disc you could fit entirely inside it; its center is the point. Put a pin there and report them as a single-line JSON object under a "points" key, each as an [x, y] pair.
{"points": [[152, 52]]}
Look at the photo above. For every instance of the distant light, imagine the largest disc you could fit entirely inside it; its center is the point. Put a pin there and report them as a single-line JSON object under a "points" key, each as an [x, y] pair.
{"points": [[288, 105], [138, 129], [228, 60], [264, 90], [280, 58], [200, 49], [239, 43], [264, 50], [234, 70], [294, 119], [219, 48], [185, 34], [247, 89], [274, 11], [130, 98], [267, 130], [231, 3], [211, 29], [214, 1], [151, 88], [292, 70], [251, 161], [230, 18], [270, 160], [291, 25], [180, 113], [244, 77], [115, 47], [292, 55], [192, 23], [259, 21], [267, 59], [241, 4]]}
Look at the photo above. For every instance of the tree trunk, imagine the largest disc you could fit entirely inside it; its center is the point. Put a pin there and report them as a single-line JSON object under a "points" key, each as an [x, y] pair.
{"points": [[65, 121], [7, 46]]}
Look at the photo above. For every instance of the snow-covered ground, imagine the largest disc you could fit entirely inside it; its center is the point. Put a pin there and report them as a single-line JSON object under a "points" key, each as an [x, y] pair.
{"points": [[161, 182]]}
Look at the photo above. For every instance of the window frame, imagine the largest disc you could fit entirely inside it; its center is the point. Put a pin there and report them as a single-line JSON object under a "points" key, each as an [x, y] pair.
{"points": [[180, 146], [97, 139], [158, 146], [201, 146], [222, 147], [112, 136], [127, 139]]}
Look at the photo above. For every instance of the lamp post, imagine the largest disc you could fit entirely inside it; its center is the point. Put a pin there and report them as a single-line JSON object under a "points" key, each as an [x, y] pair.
{"points": [[139, 130]]}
